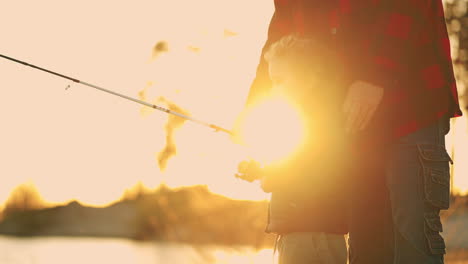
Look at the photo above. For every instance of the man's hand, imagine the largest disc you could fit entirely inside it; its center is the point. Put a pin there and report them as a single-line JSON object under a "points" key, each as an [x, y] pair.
{"points": [[360, 104]]}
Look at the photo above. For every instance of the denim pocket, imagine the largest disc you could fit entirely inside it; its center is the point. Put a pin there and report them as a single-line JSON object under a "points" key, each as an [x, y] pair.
{"points": [[436, 174], [432, 229]]}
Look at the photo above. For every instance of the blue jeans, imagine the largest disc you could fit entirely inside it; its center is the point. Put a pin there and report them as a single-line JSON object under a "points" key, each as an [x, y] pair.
{"points": [[398, 194]]}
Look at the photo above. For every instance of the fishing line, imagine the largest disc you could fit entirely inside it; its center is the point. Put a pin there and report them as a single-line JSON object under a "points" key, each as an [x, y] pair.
{"points": [[168, 111]]}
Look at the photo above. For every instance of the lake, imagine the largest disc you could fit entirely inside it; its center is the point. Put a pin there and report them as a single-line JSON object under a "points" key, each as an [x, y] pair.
{"points": [[59, 250], [73, 250]]}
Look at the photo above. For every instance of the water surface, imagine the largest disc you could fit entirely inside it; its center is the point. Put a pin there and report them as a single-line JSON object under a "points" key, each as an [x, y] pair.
{"points": [[58, 250]]}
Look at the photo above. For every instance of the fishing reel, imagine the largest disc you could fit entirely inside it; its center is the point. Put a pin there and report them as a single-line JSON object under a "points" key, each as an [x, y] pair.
{"points": [[249, 171]]}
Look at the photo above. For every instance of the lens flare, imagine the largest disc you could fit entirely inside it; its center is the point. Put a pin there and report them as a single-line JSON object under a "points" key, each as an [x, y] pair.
{"points": [[273, 130]]}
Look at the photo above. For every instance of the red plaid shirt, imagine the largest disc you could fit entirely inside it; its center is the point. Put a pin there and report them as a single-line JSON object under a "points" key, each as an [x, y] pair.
{"points": [[400, 45]]}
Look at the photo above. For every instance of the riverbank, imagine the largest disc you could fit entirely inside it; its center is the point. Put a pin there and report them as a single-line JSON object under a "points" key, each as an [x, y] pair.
{"points": [[190, 215], [186, 215]]}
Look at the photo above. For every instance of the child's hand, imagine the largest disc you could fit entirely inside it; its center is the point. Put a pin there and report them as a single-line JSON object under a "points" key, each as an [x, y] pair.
{"points": [[249, 171]]}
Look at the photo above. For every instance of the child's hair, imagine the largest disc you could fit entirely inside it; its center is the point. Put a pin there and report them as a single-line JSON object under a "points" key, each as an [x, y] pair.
{"points": [[290, 47], [312, 63], [296, 52], [306, 57]]}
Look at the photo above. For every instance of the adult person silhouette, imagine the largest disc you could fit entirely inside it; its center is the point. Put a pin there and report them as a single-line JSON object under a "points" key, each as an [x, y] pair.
{"points": [[399, 93]]}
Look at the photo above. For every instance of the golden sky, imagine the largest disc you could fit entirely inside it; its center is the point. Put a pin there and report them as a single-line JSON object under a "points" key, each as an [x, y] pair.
{"points": [[87, 145]]}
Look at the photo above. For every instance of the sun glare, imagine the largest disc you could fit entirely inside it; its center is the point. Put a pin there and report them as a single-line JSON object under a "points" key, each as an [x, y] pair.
{"points": [[273, 130]]}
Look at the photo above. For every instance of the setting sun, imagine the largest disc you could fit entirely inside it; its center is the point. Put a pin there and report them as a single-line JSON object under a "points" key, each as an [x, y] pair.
{"points": [[272, 130]]}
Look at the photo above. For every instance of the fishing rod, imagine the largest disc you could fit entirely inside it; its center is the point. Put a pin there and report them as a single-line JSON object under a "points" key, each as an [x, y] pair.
{"points": [[168, 111]]}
